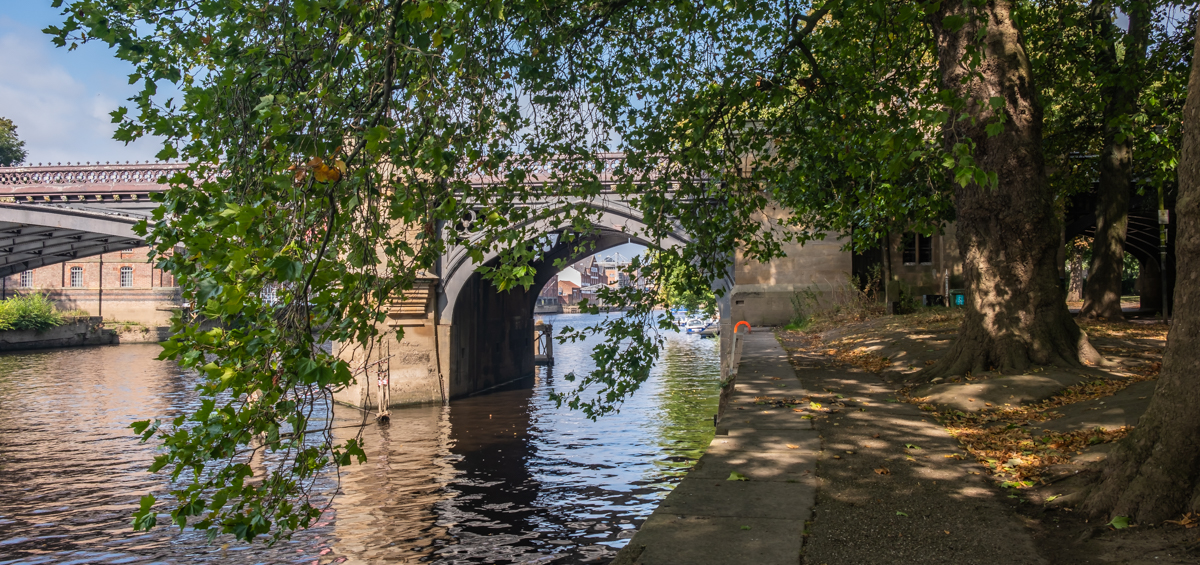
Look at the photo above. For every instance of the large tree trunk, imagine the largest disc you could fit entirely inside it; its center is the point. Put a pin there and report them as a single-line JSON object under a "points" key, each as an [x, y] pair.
{"points": [[1016, 314], [1154, 474], [1102, 297]]}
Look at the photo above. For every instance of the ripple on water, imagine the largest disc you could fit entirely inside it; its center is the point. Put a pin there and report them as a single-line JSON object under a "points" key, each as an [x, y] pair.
{"points": [[502, 477]]}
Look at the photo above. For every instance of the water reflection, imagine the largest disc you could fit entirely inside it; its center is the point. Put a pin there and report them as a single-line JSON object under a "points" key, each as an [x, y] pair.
{"points": [[501, 477]]}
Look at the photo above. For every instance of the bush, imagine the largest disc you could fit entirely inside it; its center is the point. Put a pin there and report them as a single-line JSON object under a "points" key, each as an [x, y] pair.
{"points": [[29, 312]]}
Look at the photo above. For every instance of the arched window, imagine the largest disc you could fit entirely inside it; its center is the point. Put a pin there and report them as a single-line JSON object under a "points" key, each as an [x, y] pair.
{"points": [[126, 277], [76, 277]]}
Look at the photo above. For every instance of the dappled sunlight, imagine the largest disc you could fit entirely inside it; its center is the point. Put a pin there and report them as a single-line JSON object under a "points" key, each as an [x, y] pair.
{"points": [[991, 424]]}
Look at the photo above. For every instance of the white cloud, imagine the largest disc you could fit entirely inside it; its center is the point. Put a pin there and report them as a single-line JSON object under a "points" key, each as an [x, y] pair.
{"points": [[60, 116]]}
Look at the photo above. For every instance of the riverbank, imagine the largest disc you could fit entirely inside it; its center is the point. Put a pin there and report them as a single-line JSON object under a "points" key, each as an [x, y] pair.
{"points": [[73, 333], [977, 469]]}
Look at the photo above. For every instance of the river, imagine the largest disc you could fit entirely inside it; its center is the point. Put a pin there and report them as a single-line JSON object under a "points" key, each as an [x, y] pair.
{"points": [[502, 477]]}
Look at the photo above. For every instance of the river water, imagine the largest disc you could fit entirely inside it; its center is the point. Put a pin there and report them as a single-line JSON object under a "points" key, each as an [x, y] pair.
{"points": [[503, 477]]}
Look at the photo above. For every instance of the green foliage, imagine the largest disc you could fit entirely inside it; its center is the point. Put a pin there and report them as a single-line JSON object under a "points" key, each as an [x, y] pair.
{"points": [[1079, 56], [12, 149], [804, 306], [336, 150], [683, 286], [29, 312]]}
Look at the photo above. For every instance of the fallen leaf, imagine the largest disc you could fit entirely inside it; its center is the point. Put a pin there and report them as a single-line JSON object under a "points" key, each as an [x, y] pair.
{"points": [[1119, 522], [899, 513], [911, 446], [947, 532], [790, 446], [745, 527], [882, 471], [736, 476], [1189, 520]]}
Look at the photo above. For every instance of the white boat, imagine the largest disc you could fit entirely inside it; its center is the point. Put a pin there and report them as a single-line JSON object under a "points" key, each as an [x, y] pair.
{"points": [[695, 325]]}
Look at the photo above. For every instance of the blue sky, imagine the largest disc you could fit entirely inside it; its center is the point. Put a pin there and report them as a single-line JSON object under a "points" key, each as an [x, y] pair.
{"points": [[60, 100]]}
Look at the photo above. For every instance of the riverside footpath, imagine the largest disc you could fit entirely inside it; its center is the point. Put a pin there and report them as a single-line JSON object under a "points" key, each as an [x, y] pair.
{"points": [[819, 465]]}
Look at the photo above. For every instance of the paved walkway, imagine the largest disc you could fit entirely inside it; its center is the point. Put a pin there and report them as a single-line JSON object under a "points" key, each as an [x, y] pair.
{"points": [[875, 481], [709, 519]]}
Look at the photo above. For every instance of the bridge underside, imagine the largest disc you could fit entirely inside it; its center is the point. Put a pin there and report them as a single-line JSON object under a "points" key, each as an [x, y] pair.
{"points": [[36, 235], [491, 331]]}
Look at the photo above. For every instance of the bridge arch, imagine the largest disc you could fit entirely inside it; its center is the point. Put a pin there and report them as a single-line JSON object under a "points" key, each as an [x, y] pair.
{"points": [[490, 333]]}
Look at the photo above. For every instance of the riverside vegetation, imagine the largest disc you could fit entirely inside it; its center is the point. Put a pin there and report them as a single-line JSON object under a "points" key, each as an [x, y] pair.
{"points": [[33, 312]]}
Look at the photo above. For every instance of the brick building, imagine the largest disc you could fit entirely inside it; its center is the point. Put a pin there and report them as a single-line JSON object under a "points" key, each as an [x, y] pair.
{"points": [[121, 286]]}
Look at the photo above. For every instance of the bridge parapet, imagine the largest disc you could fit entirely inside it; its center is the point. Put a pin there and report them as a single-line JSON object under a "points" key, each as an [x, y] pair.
{"points": [[78, 183]]}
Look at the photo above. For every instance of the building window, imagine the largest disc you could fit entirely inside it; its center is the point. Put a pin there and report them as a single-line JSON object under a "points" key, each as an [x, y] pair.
{"points": [[76, 277], [918, 249], [126, 277], [26, 279]]}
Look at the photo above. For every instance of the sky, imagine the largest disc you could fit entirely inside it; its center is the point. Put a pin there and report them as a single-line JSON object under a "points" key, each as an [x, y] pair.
{"points": [[60, 100]]}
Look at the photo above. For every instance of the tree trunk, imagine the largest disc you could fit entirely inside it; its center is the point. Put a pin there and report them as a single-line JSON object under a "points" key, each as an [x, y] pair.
{"points": [[1154, 473], [1016, 313], [1075, 290], [1102, 297]]}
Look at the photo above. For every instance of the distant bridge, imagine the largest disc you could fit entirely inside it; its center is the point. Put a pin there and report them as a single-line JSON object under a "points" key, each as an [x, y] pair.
{"points": [[57, 213]]}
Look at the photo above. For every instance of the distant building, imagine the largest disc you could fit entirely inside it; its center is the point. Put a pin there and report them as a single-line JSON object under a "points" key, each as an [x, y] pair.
{"points": [[547, 300], [568, 293], [122, 286]]}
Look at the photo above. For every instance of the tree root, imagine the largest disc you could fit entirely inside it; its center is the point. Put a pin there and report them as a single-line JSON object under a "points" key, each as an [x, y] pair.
{"points": [[1063, 344]]}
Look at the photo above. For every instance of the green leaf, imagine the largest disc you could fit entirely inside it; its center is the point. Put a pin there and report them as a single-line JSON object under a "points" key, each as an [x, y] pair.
{"points": [[736, 476], [144, 518], [899, 513], [1119, 522]]}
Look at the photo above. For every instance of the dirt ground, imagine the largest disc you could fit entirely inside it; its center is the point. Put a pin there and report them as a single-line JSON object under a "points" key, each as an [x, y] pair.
{"points": [[1038, 436]]}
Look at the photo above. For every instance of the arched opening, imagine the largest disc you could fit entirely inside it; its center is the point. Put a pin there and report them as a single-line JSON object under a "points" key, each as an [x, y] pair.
{"points": [[491, 331]]}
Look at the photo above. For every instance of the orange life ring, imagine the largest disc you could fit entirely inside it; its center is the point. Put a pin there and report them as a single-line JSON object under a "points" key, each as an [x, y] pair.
{"points": [[739, 324]]}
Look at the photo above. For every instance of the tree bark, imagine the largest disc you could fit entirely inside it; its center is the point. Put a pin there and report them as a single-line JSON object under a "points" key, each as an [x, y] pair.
{"points": [[1154, 473], [1016, 314], [1102, 296], [1075, 288]]}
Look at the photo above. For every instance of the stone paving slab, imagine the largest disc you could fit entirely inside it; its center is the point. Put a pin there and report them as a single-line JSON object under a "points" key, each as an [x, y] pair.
{"points": [[709, 519], [772, 466], [759, 441], [780, 418], [739, 499], [669, 539]]}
